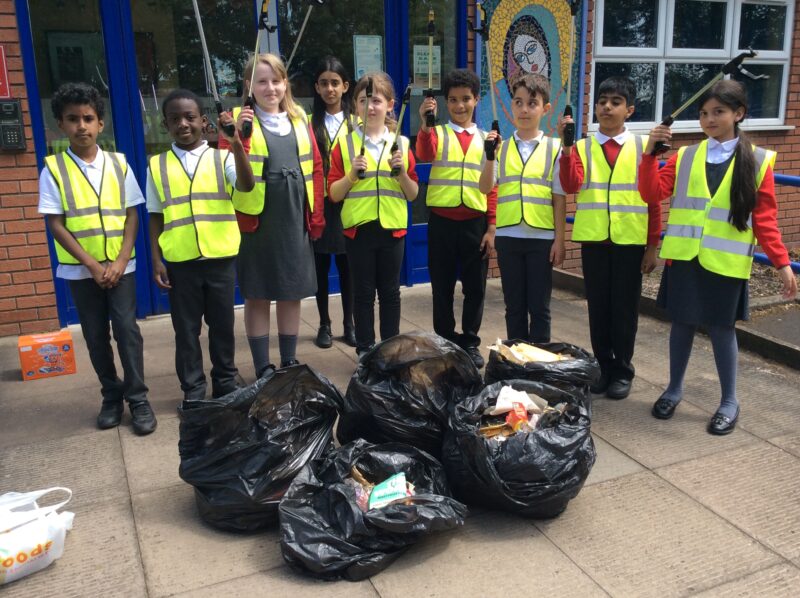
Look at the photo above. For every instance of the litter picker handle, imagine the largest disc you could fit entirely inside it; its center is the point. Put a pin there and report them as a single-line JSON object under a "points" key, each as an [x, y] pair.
{"points": [[490, 145], [362, 174], [569, 129], [406, 99], [430, 116], [660, 147], [247, 125], [230, 128]]}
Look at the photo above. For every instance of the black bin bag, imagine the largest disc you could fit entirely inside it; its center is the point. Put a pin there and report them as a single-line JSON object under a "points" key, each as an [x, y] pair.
{"points": [[241, 451], [402, 389], [325, 534], [573, 375], [534, 474]]}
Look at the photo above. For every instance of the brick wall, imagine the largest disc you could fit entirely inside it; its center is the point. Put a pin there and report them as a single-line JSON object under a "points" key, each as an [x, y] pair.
{"points": [[27, 295]]}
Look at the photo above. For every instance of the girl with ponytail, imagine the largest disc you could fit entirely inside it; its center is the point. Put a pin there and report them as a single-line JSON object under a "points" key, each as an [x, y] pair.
{"points": [[722, 206]]}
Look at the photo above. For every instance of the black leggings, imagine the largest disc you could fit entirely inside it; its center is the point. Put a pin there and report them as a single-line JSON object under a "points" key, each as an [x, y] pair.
{"points": [[323, 265]]}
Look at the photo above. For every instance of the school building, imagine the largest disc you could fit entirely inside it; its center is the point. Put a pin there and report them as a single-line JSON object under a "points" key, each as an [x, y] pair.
{"points": [[136, 51]]}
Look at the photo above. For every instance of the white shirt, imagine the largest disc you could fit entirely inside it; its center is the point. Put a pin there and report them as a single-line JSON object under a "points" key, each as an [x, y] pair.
{"points": [[189, 159], [719, 152], [50, 203], [375, 145], [333, 123], [523, 230], [277, 124], [472, 129], [621, 138]]}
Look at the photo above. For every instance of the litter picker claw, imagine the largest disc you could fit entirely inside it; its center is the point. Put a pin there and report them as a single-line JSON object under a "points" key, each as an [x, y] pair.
{"points": [[263, 25], [483, 31], [229, 129], [728, 68]]}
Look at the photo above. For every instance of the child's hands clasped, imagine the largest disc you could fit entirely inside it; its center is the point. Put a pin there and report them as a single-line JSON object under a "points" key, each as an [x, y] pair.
{"points": [[659, 133], [789, 281]]}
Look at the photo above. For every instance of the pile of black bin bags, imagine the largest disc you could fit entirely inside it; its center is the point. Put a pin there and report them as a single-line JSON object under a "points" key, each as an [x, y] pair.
{"points": [[267, 449], [241, 451]]}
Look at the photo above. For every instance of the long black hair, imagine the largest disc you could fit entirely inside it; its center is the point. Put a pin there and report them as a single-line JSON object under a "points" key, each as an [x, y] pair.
{"points": [[333, 64], [732, 94]]}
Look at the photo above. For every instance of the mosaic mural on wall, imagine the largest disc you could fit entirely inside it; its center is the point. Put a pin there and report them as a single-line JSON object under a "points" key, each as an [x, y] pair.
{"points": [[532, 37]]}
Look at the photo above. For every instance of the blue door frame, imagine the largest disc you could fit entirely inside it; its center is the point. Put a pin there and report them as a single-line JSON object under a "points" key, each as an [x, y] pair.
{"points": [[116, 25]]}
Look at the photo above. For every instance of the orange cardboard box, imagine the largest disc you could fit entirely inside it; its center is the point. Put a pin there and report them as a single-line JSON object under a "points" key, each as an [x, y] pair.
{"points": [[46, 355]]}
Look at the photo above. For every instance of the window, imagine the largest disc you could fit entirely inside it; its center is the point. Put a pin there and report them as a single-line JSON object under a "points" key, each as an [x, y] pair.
{"points": [[671, 48]]}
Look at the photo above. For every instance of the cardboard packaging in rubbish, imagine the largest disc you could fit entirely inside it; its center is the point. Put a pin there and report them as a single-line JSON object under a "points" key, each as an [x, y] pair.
{"points": [[46, 355]]}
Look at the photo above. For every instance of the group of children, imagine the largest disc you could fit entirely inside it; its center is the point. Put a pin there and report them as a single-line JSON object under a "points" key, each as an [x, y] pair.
{"points": [[270, 210]]}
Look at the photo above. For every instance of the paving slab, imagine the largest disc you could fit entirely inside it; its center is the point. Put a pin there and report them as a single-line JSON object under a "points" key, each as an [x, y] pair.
{"points": [[284, 582], [181, 554], [101, 558], [494, 554], [152, 461], [89, 465], [780, 581], [789, 443], [630, 427], [756, 488], [611, 463], [640, 536]]}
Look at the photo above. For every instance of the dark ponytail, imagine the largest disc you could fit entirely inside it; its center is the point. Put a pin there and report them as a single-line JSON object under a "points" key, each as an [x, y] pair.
{"points": [[732, 94], [333, 64]]}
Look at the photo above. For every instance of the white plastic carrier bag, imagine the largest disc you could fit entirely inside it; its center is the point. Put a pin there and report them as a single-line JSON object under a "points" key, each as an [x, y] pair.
{"points": [[31, 537]]}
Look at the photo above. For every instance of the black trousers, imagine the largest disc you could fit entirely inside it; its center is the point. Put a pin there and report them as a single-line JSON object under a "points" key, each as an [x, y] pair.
{"points": [[323, 265], [612, 276], [454, 251], [203, 289], [96, 306], [526, 275], [376, 258]]}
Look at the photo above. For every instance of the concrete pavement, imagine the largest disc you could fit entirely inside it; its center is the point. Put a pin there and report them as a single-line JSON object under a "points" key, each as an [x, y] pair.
{"points": [[668, 510]]}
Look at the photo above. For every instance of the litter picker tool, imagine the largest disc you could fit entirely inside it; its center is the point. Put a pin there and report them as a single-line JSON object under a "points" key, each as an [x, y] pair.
{"points": [[482, 30], [430, 117], [394, 148], [569, 128], [363, 173], [302, 30], [230, 129], [728, 68], [263, 25]]}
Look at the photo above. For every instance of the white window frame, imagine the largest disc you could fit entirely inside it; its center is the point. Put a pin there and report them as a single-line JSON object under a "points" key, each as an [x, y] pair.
{"points": [[665, 54]]}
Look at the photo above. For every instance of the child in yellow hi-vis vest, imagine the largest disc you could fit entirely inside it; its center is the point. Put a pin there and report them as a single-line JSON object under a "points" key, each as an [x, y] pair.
{"points": [[530, 211], [193, 229], [722, 204], [89, 198]]}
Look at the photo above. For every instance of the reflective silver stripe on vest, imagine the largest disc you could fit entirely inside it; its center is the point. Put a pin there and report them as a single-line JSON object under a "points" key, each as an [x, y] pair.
{"points": [[256, 159], [307, 156], [69, 195], [612, 186], [220, 176], [628, 209], [540, 201], [391, 193], [690, 203], [361, 194], [449, 183], [199, 218], [685, 231], [729, 246], [120, 178], [587, 178], [445, 149], [718, 214], [351, 150], [592, 205], [176, 200], [95, 232], [587, 175], [445, 162], [682, 186]]}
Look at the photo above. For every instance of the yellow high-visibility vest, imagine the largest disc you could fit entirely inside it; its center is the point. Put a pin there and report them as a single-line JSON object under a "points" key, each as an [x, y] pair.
{"points": [[524, 190], [698, 223], [96, 221], [199, 220], [252, 202], [455, 176], [609, 205], [378, 196]]}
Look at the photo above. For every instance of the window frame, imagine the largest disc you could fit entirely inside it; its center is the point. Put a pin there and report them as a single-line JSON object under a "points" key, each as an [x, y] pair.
{"points": [[665, 54]]}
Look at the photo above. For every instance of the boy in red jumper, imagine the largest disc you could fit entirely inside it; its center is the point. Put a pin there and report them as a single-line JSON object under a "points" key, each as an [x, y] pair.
{"points": [[617, 229], [461, 227]]}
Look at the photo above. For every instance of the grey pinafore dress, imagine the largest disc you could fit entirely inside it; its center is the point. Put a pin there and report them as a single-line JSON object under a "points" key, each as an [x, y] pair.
{"points": [[276, 262]]}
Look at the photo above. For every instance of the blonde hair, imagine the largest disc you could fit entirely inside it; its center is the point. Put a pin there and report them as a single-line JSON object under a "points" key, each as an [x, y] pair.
{"points": [[381, 84], [288, 105]]}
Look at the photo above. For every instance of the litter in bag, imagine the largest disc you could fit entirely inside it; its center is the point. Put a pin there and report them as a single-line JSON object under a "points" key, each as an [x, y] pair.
{"points": [[533, 473], [574, 375], [402, 389], [241, 451], [327, 533]]}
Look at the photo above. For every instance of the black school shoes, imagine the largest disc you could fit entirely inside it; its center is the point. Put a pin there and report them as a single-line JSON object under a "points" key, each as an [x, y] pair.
{"points": [[720, 424]]}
